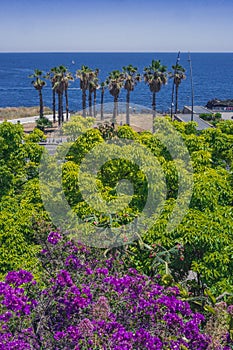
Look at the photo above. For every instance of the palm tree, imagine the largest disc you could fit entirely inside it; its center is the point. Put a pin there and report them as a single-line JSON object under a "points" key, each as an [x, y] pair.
{"points": [[177, 75], [84, 75], [155, 77], [67, 77], [51, 75], [93, 86], [131, 79], [102, 87], [115, 83], [59, 87], [38, 84]]}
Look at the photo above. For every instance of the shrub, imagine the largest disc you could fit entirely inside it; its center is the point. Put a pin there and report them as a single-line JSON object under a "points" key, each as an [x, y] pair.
{"points": [[43, 123], [90, 303], [206, 116]]}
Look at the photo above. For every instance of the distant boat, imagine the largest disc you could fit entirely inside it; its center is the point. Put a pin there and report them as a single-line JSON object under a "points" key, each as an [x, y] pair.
{"points": [[73, 62]]}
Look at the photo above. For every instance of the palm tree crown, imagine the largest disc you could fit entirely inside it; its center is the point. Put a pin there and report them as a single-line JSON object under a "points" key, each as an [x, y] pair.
{"points": [[155, 76]]}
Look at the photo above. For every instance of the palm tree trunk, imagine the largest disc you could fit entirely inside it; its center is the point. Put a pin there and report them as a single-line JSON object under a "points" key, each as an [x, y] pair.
{"points": [[84, 102], [54, 106], [176, 105], [67, 104], [62, 115], [127, 107], [154, 109], [60, 108], [102, 105], [115, 109], [41, 104], [90, 103], [94, 105]]}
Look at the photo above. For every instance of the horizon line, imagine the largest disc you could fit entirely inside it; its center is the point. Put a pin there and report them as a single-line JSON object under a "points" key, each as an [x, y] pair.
{"points": [[76, 52]]}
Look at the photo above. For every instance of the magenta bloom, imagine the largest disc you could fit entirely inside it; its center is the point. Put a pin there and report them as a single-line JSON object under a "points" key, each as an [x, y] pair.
{"points": [[54, 237], [18, 277]]}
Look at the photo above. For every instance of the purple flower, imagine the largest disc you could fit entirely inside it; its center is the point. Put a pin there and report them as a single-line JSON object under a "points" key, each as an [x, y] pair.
{"points": [[103, 271], [54, 237], [59, 335], [18, 277], [73, 311], [230, 310], [64, 279], [6, 316]]}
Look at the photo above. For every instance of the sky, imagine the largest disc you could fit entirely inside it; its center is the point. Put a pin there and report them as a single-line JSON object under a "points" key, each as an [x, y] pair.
{"points": [[116, 25]]}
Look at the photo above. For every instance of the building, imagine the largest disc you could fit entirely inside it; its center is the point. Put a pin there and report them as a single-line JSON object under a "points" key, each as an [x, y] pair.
{"points": [[220, 105]]}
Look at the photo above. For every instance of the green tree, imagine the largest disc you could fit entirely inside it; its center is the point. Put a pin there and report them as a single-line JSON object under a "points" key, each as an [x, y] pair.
{"points": [[77, 126], [11, 137]]}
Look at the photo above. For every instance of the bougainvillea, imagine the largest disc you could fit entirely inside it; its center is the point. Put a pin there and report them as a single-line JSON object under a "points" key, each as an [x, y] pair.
{"points": [[93, 303]]}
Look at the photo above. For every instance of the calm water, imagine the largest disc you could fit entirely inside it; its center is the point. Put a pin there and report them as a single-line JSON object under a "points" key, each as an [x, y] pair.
{"points": [[212, 76]]}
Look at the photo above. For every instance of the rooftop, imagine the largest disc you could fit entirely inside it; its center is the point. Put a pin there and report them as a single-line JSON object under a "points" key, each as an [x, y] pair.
{"points": [[187, 118], [196, 109]]}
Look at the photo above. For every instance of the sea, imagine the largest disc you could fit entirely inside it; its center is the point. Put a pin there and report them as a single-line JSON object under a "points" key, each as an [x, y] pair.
{"points": [[212, 75]]}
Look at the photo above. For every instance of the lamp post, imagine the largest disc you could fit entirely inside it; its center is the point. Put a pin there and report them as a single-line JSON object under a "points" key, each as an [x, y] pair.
{"points": [[191, 79]]}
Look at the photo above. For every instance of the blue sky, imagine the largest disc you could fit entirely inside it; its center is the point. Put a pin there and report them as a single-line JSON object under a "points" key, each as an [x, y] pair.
{"points": [[116, 25]]}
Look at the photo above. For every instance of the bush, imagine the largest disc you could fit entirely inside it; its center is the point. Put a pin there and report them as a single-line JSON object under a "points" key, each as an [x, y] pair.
{"points": [[90, 303], [43, 123], [206, 116], [211, 117]]}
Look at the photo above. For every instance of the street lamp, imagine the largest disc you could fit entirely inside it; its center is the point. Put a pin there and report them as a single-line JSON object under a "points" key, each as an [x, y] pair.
{"points": [[191, 79]]}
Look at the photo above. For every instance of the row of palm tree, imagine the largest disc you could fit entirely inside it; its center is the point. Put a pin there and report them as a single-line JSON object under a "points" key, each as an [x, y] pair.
{"points": [[59, 78], [155, 76]]}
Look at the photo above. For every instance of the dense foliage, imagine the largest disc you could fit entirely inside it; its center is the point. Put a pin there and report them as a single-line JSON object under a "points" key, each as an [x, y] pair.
{"points": [[201, 245], [91, 302]]}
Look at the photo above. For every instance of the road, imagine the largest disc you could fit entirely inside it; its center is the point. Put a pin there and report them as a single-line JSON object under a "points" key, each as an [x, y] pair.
{"points": [[27, 120]]}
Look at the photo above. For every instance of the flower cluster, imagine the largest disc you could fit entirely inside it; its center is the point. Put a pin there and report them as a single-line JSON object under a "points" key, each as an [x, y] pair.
{"points": [[17, 278], [94, 303], [54, 237]]}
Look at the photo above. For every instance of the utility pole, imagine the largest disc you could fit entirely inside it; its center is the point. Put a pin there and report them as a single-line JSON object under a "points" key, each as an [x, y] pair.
{"points": [[191, 79], [173, 85]]}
